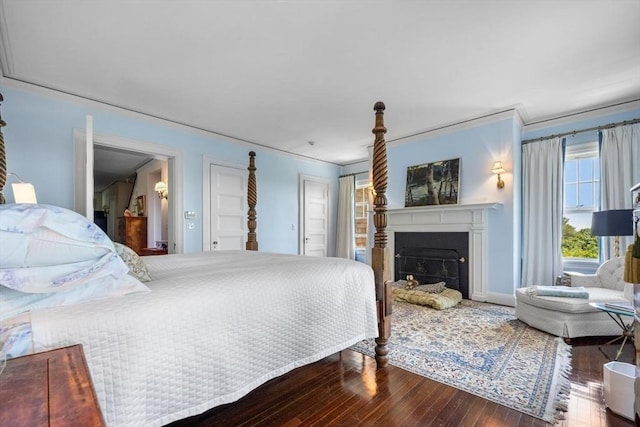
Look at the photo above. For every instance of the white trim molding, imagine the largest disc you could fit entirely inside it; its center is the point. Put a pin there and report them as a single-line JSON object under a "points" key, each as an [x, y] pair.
{"points": [[470, 218]]}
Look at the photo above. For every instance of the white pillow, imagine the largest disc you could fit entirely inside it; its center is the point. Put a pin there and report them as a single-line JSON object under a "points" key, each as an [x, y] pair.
{"points": [[51, 256], [13, 302], [43, 235], [47, 249], [15, 338]]}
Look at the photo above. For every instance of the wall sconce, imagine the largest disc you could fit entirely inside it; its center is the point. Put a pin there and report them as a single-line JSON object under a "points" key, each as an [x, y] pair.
{"points": [[498, 169], [161, 189], [23, 192]]}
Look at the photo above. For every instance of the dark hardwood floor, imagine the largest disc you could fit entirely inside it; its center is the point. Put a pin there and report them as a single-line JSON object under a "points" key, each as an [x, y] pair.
{"points": [[346, 390]]}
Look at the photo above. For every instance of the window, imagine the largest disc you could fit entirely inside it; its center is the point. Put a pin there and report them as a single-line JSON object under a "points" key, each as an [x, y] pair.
{"points": [[362, 219], [581, 199]]}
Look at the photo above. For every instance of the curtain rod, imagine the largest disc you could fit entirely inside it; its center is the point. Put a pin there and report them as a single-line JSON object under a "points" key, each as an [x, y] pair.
{"points": [[353, 174], [558, 135]]}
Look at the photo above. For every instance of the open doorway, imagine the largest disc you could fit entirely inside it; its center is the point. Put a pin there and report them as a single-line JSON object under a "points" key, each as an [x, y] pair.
{"points": [[171, 173]]}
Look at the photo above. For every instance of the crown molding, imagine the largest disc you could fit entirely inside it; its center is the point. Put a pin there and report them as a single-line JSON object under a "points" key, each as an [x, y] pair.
{"points": [[6, 57], [621, 107], [102, 106], [460, 125]]}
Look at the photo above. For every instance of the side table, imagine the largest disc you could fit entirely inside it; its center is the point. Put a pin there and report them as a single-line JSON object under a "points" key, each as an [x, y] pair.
{"points": [[52, 388], [616, 311]]}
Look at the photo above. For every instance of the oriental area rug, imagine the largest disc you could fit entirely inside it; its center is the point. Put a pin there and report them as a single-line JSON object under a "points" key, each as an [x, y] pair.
{"points": [[484, 350]]}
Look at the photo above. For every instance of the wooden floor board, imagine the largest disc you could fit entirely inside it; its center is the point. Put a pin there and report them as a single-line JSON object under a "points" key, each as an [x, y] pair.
{"points": [[345, 389]]}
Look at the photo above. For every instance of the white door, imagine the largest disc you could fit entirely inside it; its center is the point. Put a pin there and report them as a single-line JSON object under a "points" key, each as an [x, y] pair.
{"points": [[228, 208], [315, 209]]}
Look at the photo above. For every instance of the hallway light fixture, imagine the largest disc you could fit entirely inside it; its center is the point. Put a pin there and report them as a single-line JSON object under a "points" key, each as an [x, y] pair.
{"points": [[161, 189], [498, 169]]}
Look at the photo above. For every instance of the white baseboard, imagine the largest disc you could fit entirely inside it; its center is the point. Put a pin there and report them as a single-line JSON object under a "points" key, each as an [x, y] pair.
{"points": [[502, 299]]}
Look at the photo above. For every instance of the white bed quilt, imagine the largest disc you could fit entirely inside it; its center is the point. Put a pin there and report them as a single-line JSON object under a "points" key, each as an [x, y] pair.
{"points": [[215, 326]]}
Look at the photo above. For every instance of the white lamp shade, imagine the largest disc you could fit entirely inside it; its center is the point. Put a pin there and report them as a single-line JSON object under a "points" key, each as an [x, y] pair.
{"points": [[160, 186], [497, 167], [24, 192]]}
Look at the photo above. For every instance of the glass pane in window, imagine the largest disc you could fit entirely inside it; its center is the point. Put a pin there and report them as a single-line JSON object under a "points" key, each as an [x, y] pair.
{"points": [[570, 171], [361, 211], [586, 195], [570, 196], [361, 242], [360, 195], [586, 169], [596, 169]]}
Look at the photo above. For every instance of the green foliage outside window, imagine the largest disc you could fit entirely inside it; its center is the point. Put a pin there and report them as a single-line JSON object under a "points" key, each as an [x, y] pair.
{"points": [[578, 243]]}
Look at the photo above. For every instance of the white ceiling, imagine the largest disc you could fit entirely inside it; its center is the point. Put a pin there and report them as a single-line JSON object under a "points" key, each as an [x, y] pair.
{"points": [[283, 73], [112, 164]]}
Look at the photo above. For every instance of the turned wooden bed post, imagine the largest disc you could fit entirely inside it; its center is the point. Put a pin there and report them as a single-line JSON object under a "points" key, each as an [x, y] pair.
{"points": [[252, 199], [379, 252], [3, 158]]}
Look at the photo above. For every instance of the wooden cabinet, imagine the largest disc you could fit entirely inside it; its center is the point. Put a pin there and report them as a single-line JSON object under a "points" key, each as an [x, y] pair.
{"points": [[53, 388], [132, 231], [153, 251]]}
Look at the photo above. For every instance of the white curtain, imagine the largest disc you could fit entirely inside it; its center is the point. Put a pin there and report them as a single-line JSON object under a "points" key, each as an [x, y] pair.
{"points": [[346, 240], [619, 171], [542, 173]]}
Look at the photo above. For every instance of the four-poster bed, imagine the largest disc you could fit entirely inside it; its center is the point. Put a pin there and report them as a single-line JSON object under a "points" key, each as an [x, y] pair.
{"points": [[208, 327], [380, 256]]}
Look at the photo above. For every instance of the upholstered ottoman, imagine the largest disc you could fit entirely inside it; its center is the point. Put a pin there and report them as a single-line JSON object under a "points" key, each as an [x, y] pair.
{"points": [[574, 317]]}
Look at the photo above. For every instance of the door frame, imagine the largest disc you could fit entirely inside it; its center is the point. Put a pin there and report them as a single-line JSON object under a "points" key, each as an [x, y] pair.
{"points": [[175, 173], [301, 231], [207, 161]]}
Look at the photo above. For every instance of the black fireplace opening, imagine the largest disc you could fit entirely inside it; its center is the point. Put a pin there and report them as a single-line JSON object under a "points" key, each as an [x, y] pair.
{"points": [[433, 257]]}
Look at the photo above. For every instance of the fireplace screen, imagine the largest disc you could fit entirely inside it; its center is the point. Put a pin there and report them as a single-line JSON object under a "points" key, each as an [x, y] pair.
{"points": [[429, 265]]}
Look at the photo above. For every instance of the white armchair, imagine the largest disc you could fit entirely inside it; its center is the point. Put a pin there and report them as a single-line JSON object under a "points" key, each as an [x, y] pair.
{"points": [[609, 275], [574, 317]]}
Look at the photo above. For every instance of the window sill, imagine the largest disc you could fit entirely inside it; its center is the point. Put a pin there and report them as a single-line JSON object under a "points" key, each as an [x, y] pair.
{"points": [[580, 265]]}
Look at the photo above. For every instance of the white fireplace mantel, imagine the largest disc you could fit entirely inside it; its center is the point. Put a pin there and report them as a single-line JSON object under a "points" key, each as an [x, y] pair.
{"points": [[471, 218]]}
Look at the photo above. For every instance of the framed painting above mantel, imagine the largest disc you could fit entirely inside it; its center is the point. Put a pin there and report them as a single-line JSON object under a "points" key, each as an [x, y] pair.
{"points": [[435, 183]]}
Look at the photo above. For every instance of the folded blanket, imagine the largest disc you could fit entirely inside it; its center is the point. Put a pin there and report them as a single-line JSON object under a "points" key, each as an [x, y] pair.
{"points": [[559, 291]]}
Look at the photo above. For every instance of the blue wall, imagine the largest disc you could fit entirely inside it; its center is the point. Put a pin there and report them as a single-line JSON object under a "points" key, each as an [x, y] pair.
{"points": [[477, 147], [39, 145]]}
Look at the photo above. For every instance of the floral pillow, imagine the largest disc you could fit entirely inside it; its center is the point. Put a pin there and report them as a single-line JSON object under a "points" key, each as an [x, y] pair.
{"points": [[137, 267]]}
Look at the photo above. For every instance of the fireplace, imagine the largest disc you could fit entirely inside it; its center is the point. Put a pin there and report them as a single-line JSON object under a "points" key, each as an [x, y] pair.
{"points": [[433, 257], [470, 220]]}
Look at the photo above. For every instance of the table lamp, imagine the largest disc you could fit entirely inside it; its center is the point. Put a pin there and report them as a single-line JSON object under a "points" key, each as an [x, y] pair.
{"points": [[615, 222]]}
